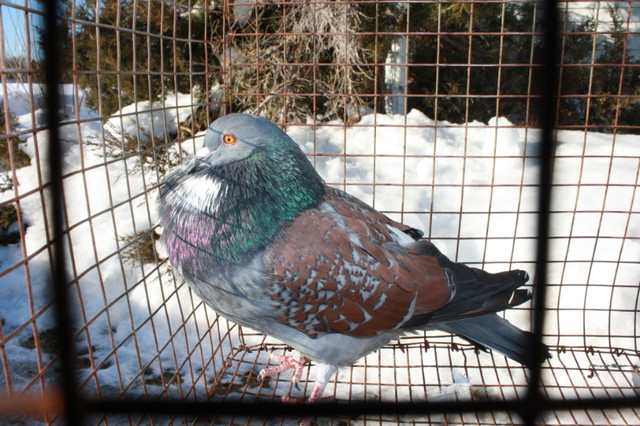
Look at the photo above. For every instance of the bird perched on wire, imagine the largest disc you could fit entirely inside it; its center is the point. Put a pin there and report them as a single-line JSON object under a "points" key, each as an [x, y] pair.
{"points": [[267, 244]]}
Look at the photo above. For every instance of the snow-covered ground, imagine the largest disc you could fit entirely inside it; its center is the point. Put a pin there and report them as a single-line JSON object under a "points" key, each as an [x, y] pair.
{"points": [[470, 187]]}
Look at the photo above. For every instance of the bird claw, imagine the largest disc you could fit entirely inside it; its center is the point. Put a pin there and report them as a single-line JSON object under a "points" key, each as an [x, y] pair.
{"points": [[291, 400], [297, 361]]}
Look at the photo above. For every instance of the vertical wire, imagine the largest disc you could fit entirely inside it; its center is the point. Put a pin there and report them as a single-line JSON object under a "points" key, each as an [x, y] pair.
{"points": [[436, 96], [63, 316], [81, 306], [405, 101], [615, 131], [4, 358], [532, 410]]}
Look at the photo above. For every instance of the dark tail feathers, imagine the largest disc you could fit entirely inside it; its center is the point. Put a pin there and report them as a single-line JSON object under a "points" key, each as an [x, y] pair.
{"points": [[470, 312], [494, 332], [474, 291]]}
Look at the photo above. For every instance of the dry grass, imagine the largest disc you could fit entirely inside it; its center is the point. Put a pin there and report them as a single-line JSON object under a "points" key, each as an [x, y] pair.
{"points": [[271, 73]]}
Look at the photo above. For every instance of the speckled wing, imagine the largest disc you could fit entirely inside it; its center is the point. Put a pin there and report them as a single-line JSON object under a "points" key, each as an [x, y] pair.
{"points": [[338, 268]]}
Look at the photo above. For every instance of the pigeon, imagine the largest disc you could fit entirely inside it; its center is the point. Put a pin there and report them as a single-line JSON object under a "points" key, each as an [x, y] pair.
{"points": [[261, 238]]}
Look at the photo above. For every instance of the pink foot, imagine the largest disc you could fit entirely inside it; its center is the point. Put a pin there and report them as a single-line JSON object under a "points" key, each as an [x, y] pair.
{"points": [[296, 361], [316, 394]]}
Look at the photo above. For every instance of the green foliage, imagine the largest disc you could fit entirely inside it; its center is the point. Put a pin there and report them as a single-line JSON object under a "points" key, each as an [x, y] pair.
{"points": [[467, 55], [614, 89], [448, 76], [473, 61], [140, 50], [467, 61]]}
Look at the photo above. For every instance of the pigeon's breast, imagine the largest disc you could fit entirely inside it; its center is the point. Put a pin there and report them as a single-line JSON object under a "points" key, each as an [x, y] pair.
{"points": [[189, 243], [193, 233], [199, 245], [237, 292]]}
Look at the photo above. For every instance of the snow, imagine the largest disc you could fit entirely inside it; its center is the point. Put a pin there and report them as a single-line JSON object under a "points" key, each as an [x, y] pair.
{"points": [[471, 188], [144, 119]]}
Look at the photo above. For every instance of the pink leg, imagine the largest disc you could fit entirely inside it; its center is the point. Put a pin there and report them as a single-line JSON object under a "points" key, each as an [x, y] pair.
{"points": [[324, 373], [316, 393], [296, 361]]}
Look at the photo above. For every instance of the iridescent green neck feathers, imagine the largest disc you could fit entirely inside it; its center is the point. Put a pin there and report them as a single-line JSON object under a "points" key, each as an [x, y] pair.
{"points": [[223, 214]]}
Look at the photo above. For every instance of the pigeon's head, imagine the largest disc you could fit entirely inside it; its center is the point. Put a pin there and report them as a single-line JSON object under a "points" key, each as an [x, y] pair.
{"points": [[248, 179], [256, 164], [236, 137]]}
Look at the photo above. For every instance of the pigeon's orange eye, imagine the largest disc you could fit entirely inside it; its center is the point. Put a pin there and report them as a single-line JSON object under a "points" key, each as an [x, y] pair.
{"points": [[229, 139]]}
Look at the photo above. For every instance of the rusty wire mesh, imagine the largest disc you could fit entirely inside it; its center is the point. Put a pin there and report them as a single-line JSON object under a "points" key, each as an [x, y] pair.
{"points": [[430, 111]]}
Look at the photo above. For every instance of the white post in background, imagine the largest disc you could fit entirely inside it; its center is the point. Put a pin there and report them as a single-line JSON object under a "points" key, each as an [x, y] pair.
{"points": [[395, 76]]}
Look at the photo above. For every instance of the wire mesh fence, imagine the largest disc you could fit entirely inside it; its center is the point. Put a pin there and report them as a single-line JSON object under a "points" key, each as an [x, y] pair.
{"points": [[431, 111]]}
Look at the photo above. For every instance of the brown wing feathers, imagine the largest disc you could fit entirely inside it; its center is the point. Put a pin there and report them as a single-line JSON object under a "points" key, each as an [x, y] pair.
{"points": [[359, 283]]}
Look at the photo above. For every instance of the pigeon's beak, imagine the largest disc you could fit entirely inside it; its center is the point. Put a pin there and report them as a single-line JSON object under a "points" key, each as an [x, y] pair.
{"points": [[199, 157], [202, 153]]}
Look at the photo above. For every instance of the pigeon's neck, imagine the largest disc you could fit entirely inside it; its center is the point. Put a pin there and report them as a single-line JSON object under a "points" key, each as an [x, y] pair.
{"points": [[260, 195], [229, 213]]}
